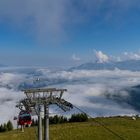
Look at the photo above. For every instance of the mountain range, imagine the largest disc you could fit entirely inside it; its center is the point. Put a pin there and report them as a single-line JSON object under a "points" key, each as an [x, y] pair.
{"points": [[2, 65], [132, 65]]}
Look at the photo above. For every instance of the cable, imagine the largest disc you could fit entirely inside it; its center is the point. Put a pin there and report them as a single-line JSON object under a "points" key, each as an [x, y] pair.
{"points": [[101, 124]]}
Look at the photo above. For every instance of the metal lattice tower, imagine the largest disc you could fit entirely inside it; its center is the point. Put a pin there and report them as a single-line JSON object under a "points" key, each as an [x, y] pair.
{"points": [[36, 99]]}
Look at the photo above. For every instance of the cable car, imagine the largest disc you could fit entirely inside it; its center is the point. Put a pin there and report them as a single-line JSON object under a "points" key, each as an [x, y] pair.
{"points": [[24, 118]]}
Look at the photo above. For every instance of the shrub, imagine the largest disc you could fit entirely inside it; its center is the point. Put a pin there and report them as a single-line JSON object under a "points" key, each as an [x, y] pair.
{"points": [[78, 118]]}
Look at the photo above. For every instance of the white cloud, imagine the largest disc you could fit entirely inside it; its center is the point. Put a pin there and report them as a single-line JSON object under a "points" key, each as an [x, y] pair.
{"points": [[9, 94], [89, 89], [75, 57], [95, 76], [11, 80], [101, 57], [131, 56], [8, 100], [84, 85], [91, 98], [95, 91]]}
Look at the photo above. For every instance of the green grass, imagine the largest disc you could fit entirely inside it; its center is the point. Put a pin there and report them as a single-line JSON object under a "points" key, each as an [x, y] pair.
{"points": [[126, 127]]}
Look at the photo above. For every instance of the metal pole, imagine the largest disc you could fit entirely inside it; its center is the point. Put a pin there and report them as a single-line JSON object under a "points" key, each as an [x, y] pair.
{"points": [[46, 122], [22, 128], [39, 123]]}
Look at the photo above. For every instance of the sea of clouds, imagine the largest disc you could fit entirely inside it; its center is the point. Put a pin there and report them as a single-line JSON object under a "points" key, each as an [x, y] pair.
{"points": [[98, 92]]}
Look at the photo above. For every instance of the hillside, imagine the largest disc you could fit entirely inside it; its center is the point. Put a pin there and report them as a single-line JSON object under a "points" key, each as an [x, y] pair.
{"points": [[125, 127]]}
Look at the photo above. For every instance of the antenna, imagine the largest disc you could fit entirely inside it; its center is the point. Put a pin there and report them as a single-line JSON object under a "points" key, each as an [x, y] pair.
{"points": [[36, 99]]}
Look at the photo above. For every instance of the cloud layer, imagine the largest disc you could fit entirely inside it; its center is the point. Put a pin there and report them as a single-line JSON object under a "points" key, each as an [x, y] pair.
{"points": [[98, 92], [101, 57]]}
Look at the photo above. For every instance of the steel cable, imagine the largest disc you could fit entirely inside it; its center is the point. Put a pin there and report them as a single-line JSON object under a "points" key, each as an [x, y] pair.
{"points": [[101, 124]]}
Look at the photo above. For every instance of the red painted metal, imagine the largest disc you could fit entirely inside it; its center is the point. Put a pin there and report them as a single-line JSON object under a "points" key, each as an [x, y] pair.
{"points": [[24, 118]]}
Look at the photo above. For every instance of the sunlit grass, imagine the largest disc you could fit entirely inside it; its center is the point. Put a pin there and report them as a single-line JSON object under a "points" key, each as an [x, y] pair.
{"points": [[125, 127]]}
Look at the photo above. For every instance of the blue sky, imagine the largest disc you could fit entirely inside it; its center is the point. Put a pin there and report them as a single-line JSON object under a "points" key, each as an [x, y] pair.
{"points": [[65, 33]]}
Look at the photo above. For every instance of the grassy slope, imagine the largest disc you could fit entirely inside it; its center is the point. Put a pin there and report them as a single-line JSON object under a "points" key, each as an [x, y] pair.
{"points": [[126, 127]]}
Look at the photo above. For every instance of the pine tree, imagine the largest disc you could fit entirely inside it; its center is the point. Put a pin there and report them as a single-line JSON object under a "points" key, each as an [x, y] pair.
{"points": [[1, 128], [9, 126], [5, 127]]}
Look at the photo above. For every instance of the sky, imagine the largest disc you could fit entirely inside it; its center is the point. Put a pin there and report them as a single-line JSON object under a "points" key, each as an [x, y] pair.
{"points": [[66, 33]]}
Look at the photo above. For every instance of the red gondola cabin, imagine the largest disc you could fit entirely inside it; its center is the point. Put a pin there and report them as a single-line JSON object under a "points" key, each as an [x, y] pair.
{"points": [[24, 118]]}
